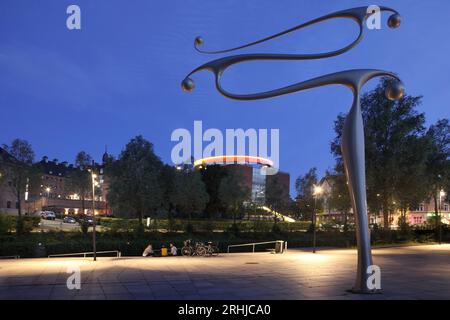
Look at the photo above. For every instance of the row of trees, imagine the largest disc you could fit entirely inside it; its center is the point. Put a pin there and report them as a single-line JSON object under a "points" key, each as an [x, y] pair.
{"points": [[141, 185], [24, 175], [406, 163]]}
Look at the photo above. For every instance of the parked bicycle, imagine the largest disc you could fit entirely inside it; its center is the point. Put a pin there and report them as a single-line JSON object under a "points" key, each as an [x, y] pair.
{"points": [[212, 249], [199, 249]]}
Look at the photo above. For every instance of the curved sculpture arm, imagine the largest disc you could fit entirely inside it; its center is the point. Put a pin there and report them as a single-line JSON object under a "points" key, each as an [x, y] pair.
{"points": [[359, 15], [353, 79], [218, 66]]}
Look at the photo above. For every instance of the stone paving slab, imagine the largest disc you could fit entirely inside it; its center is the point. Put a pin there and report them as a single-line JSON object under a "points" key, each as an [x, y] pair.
{"points": [[418, 272]]}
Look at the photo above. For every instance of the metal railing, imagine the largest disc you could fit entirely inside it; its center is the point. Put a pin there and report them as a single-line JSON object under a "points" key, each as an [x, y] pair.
{"points": [[84, 254], [9, 257], [253, 244]]}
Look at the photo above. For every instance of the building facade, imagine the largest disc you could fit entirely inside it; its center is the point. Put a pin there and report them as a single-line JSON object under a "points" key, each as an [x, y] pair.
{"points": [[55, 191], [420, 216]]}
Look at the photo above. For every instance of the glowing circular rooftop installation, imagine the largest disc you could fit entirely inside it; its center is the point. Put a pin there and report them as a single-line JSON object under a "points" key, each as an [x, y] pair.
{"points": [[234, 159]]}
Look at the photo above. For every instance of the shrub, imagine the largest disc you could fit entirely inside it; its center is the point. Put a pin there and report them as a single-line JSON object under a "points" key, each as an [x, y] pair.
{"points": [[276, 229], [189, 228], [6, 224], [23, 225], [84, 227], [234, 229]]}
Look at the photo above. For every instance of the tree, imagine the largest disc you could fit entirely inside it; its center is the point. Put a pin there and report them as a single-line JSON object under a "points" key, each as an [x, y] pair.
{"points": [[189, 194], [20, 170], [212, 176], [393, 132], [80, 179], [167, 185], [304, 185], [438, 162], [276, 198], [233, 192], [339, 199], [135, 188]]}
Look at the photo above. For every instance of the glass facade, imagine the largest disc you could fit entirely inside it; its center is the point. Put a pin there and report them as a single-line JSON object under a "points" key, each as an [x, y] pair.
{"points": [[258, 186]]}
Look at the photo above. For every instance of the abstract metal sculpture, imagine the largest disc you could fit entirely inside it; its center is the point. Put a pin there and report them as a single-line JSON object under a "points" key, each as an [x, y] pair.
{"points": [[353, 133]]}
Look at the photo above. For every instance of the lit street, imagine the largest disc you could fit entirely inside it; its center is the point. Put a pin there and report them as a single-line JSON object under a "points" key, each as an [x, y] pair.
{"points": [[419, 272]]}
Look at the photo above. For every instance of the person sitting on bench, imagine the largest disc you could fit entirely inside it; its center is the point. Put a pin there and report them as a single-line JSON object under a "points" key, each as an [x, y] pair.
{"points": [[173, 250], [148, 251]]}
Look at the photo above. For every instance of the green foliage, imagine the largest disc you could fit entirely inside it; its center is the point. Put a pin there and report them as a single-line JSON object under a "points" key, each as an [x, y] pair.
{"points": [[304, 185], [232, 192], [438, 161], [135, 188], [84, 226], [396, 151], [130, 244], [189, 228], [23, 225], [234, 229], [276, 197], [80, 179], [189, 193], [212, 178], [7, 224], [20, 170], [276, 229]]}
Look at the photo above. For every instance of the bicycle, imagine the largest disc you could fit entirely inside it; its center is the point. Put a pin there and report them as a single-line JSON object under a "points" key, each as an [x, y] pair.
{"points": [[199, 249], [188, 249], [212, 249]]}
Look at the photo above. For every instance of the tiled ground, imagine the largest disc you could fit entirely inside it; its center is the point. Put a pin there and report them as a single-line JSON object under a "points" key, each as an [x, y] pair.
{"points": [[421, 272]]}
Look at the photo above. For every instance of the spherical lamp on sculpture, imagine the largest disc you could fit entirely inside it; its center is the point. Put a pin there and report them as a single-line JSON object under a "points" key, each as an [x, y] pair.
{"points": [[188, 85], [395, 91], [395, 21]]}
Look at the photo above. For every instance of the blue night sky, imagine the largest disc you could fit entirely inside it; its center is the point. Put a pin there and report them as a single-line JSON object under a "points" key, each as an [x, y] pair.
{"points": [[66, 91]]}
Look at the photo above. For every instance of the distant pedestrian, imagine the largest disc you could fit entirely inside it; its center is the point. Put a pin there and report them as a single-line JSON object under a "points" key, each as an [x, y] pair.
{"points": [[173, 250], [148, 251]]}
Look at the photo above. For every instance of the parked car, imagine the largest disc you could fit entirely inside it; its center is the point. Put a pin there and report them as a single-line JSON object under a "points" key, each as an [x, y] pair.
{"points": [[69, 220], [88, 220], [48, 215]]}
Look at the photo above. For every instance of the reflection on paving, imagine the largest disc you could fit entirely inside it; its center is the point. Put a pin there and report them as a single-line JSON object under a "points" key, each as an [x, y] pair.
{"points": [[420, 272]]}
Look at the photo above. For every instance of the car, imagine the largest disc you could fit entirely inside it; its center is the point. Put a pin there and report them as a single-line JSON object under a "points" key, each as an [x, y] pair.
{"points": [[88, 220], [69, 220], [48, 215]]}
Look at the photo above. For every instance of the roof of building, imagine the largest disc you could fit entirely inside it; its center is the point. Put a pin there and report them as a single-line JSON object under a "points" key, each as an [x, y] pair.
{"points": [[5, 156], [55, 167]]}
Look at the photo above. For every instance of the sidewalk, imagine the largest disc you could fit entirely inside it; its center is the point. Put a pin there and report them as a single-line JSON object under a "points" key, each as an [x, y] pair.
{"points": [[419, 272]]}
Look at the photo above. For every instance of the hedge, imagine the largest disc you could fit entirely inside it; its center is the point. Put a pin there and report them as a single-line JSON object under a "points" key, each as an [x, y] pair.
{"points": [[132, 244]]}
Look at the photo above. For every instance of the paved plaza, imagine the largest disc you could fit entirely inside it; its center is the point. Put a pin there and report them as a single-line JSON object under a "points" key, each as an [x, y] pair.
{"points": [[417, 272]]}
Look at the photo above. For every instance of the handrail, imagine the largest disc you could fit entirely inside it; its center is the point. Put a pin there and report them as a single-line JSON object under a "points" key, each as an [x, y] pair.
{"points": [[117, 252], [10, 257], [254, 244]]}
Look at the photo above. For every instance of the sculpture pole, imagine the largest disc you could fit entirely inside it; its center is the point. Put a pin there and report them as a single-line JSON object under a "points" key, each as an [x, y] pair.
{"points": [[353, 132]]}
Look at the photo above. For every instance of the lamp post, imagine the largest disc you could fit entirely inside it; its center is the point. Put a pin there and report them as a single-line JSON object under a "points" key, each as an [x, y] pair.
{"points": [[353, 132], [94, 240], [441, 194], [47, 189], [316, 193]]}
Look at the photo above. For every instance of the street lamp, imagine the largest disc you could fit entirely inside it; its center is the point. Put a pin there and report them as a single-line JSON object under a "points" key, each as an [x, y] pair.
{"points": [[47, 189], [317, 191], [353, 132], [94, 183], [441, 195]]}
